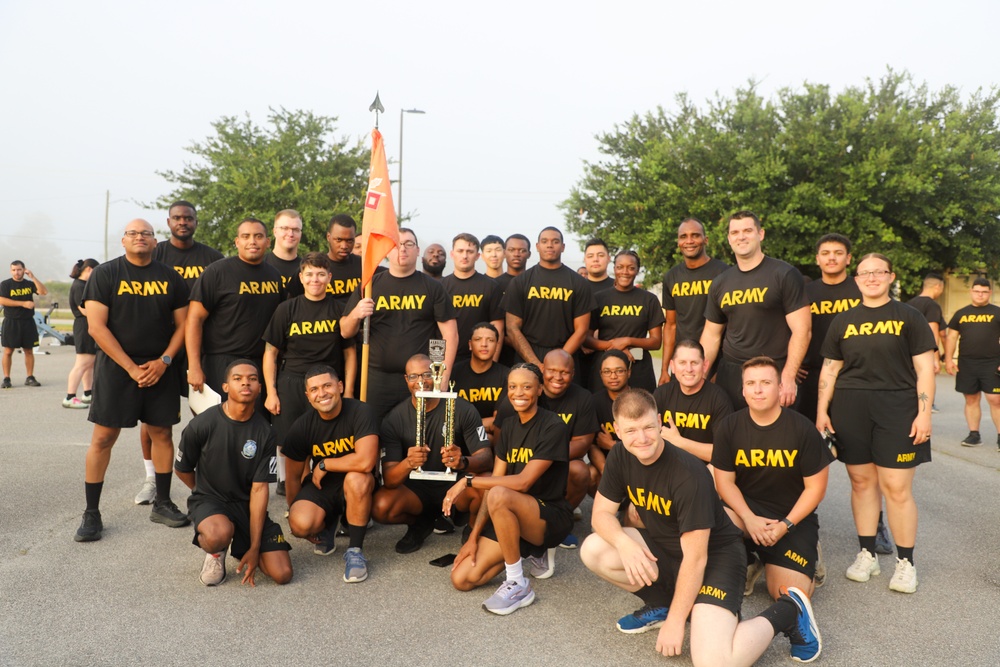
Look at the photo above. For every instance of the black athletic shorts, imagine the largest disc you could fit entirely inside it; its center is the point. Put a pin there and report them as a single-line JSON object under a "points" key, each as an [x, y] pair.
{"points": [[809, 394], [385, 391], [294, 404], [977, 375], [18, 334], [82, 340], [330, 498], [200, 507], [431, 494], [874, 427], [118, 402], [725, 573], [795, 551], [558, 518]]}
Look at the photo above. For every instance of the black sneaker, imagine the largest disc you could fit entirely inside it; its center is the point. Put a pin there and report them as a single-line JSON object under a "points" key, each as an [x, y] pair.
{"points": [[972, 440], [167, 513], [442, 526], [90, 528], [30, 381], [6, 384], [280, 490], [415, 536]]}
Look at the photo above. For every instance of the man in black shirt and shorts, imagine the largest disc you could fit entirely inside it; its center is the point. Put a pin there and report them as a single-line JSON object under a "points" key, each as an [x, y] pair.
{"points": [[685, 291], [339, 437], [226, 457], [926, 303], [19, 330], [687, 559], [760, 305], [135, 312], [771, 470], [417, 502], [978, 327]]}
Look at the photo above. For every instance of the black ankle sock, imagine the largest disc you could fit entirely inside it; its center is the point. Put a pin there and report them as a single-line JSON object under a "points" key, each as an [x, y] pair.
{"points": [[70, 397], [655, 595], [163, 486], [749, 547], [867, 543], [357, 535], [881, 521], [905, 552], [88, 392], [782, 614], [92, 490]]}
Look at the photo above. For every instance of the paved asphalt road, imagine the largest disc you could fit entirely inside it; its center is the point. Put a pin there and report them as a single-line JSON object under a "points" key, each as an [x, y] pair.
{"points": [[134, 597]]}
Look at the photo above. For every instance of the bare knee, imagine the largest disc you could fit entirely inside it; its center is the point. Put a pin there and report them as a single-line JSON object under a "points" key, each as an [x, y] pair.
{"points": [[358, 484], [215, 536], [383, 504], [499, 497]]}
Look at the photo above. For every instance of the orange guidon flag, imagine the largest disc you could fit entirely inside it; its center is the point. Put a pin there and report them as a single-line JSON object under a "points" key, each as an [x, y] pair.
{"points": [[378, 226]]}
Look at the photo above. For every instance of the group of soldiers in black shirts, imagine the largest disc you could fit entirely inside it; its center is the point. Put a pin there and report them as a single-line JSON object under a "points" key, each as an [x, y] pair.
{"points": [[553, 371]]}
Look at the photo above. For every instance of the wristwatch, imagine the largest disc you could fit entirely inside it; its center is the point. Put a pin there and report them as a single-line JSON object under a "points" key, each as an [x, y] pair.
{"points": [[788, 524], [166, 359], [468, 480], [322, 465], [463, 463]]}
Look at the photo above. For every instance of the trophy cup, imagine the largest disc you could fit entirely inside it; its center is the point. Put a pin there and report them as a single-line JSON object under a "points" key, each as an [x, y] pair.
{"points": [[436, 353]]}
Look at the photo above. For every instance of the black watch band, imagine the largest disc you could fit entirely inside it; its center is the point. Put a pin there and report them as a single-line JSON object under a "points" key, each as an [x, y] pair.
{"points": [[468, 479], [788, 524], [463, 463]]}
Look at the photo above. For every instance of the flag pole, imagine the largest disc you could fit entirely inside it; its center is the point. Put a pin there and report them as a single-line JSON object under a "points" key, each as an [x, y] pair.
{"points": [[377, 107]]}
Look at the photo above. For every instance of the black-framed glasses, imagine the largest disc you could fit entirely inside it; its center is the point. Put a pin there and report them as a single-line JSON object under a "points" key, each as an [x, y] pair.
{"points": [[413, 377], [144, 234]]}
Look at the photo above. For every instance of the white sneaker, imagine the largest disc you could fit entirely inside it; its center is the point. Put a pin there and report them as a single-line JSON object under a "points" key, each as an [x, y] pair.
{"points": [[213, 572], [864, 566], [74, 403], [904, 579], [147, 494], [542, 567], [754, 570]]}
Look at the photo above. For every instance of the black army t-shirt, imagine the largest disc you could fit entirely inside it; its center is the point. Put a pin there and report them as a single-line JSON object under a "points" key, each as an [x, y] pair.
{"points": [[228, 456], [344, 278], [979, 331], [673, 495], [771, 461], [575, 407], [141, 301], [825, 303], [189, 263], [685, 291], [289, 270], [605, 417], [483, 390], [877, 346], [398, 432], [18, 291], [548, 300], [475, 299], [697, 415], [76, 296], [929, 308], [240, 299], [628, 314], [753, 304], [307, 333], [544, 438], [314, 438], [597, 286], [407, 311]]}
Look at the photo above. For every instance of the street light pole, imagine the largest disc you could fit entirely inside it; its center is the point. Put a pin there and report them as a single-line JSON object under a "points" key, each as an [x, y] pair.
{"points": [[399, 181]]}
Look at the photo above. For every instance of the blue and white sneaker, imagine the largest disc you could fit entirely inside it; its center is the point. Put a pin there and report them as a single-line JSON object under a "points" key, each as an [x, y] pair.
{"points": [[804, 635], [355, 566], [642, 620], [510, 597], [325, 544], [570, 542]]}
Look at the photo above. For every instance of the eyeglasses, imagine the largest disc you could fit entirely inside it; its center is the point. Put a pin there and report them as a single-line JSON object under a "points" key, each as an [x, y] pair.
{"points": [[413, 377], [409, 245], [878, 273], [609, 372], [294, 230], [144, 234]]}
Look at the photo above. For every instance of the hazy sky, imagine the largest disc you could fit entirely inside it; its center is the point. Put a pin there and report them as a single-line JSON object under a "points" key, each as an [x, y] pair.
{"points": [[99, 95]]}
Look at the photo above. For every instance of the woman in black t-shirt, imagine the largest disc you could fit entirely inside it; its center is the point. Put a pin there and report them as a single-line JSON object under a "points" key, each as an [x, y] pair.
{"points": [[86, 348], [629, 319], [524, 510], [875, 392]]}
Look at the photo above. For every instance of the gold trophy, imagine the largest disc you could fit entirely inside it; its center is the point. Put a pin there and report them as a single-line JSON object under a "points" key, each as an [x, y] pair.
{"points": [[436, 353]]}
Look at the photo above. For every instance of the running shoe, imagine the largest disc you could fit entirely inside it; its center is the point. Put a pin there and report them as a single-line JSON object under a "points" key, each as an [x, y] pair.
{"points": [[87, 398], [934, 409], [279, 488], [510, 597], [6, 384], [73, 403], [325, 544], [542, 567], [90, 528], [883, 543], [213, 572], [571, 541], [904, 579], [972, 440], [864, 566], [355, 566], [415, 536], [30, 381], [147, 494], [168, 514], [442, 526], [819, 576], [643, 619], [804, 634], [754, 570]]}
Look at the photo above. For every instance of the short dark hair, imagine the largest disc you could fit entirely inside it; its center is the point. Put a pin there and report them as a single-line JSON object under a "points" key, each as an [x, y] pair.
{"points": [[182, 202], [320, 369], [550, 228], [253, 220], [343, 220], [630, 253], [81, 265], [834, 238], [694, 220], [17, 262], [690, 344], [317, 260], [933, 279], [467, 237], [530, 367], [516, 237], [633, 404], [762, 362], [740, 215], [490, 240], [615, 354], [595, 241], [407, 230], [240, 362], [486, 325], [982, 282]]}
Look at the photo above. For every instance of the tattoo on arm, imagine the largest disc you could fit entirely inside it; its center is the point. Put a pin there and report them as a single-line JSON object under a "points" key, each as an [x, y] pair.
{"points": [[922, 397], [827, 362]]}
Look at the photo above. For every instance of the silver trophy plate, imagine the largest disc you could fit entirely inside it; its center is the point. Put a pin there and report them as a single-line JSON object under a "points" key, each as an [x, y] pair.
{"points": [[434, 475]]}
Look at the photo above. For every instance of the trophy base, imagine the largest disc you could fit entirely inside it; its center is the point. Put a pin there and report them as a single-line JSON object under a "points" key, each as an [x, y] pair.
{"points": [[434, 475]]}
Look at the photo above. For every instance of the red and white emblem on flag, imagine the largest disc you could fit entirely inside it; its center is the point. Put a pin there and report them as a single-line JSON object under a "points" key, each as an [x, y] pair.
{"points": [[372, 200]]}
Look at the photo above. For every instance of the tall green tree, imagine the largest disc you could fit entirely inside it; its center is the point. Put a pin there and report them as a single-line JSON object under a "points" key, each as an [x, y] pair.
{"points": [[293, 161], [899, 169]]}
